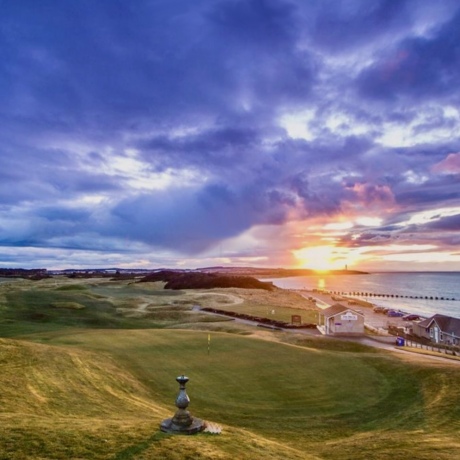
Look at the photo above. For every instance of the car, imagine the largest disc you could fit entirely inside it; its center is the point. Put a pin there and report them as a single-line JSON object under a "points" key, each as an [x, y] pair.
{"points": [[395, 314], [411, 317], [378, 309]]}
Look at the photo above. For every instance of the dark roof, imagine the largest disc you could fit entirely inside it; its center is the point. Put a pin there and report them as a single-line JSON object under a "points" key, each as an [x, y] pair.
{"points": [[447, 324], [337, 308]]}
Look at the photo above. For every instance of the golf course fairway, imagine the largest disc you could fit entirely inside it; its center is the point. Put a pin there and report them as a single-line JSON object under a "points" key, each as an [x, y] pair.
{"points": [[101, 394]]}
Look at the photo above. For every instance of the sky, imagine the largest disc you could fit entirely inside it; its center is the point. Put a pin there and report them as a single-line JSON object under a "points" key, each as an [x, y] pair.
{"points": [[270, 133]]}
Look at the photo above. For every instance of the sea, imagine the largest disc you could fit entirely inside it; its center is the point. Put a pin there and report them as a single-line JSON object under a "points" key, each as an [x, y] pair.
{"points": [[407, 284]]}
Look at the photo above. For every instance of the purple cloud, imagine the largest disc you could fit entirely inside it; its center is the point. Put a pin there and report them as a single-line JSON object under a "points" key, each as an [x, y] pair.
{"points": [[180, 125]]}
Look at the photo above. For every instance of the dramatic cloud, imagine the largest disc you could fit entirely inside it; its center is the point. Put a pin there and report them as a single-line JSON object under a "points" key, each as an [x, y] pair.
{"points": [[227, 131], [420, 64]]}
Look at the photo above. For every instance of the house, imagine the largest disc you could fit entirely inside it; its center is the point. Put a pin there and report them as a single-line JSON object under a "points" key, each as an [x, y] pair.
{"points": [[341, 320], [439, 329]]}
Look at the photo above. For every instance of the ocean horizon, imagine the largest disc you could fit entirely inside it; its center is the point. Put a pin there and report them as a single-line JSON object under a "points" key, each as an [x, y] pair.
{"points": [[415, 284]]}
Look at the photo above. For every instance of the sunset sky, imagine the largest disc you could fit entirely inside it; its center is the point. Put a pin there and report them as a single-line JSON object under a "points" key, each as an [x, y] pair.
{"points": [[272, 133]]}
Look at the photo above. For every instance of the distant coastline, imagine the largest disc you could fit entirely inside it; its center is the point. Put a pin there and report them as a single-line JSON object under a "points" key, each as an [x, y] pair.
{"points": [[260, 272], [219, 270], [277, 272]]}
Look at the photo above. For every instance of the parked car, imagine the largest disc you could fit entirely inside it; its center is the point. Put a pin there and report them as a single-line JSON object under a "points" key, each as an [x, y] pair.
{"points": [[411, 318], [378, 309], [395, 314]]}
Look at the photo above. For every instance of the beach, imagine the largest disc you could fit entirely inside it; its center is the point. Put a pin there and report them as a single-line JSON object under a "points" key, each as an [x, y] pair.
{"points": [[427, 286]]}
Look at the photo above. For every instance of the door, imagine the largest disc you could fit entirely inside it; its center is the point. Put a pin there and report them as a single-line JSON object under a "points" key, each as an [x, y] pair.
{"points": [[436, 333]]}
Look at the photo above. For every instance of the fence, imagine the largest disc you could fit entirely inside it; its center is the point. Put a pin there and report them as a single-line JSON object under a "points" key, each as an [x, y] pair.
{"points": [[430, 346]]}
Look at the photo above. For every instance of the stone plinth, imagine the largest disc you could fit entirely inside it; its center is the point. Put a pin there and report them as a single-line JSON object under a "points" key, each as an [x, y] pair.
{"points": [[182, 422]]}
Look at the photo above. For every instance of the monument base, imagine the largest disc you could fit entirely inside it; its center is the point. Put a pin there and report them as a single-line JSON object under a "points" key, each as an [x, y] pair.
{"points": [[168, 426]]}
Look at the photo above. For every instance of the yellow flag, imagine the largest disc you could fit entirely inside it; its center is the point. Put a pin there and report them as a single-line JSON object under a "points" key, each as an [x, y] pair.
{"points": [[209, 343]]}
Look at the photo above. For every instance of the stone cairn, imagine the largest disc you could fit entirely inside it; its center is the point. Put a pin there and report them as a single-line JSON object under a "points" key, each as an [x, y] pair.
{"points": [[182, 422]]}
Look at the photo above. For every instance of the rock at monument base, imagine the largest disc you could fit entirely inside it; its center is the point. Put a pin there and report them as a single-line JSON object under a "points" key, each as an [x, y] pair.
{"points": [[168, 426]]}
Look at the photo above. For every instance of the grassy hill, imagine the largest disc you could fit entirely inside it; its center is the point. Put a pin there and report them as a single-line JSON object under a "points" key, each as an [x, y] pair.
{"points": [[70, 390], [66, 404], [197, 280]]}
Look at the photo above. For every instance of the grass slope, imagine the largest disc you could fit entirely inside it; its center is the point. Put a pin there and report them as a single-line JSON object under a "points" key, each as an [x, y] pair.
{"points": [[307, 401], [70, 390], [64, 403]]}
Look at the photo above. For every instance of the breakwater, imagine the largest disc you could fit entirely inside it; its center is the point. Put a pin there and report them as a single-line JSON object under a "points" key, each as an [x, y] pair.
{"points": [[393, 296]]}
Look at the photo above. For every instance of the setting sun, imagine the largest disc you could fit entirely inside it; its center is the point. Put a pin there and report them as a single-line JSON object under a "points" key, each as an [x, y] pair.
{"points": [[322, 258]]}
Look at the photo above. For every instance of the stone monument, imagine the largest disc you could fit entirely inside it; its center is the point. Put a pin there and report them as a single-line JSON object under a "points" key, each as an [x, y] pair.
{"points": [[182, 422]]}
